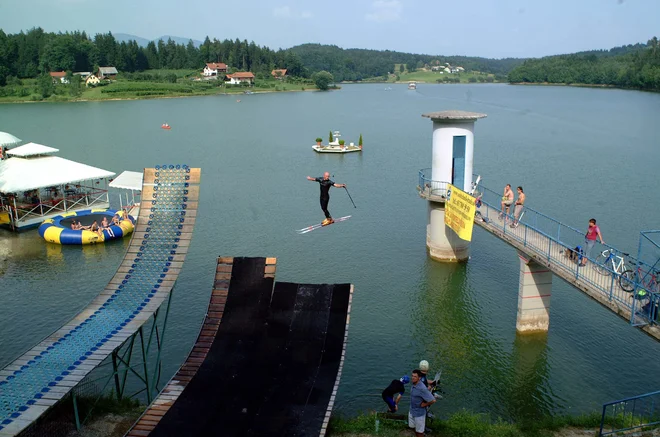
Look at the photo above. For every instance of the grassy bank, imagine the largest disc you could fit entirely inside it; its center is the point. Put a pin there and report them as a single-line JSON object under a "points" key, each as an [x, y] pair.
{"points": [[149, 84], [426, 76], [468, 424]]}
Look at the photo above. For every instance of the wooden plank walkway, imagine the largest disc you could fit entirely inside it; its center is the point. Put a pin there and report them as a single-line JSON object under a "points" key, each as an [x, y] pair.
{"points": [[604, 289], [44, 375]]}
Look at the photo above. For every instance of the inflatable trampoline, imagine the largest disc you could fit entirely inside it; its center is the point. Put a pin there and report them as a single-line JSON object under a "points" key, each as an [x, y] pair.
{"points": [[58, 229]]}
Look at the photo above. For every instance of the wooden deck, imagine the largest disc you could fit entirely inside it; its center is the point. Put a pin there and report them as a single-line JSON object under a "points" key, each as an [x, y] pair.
{"points": [[602, 288], [49, 369]]}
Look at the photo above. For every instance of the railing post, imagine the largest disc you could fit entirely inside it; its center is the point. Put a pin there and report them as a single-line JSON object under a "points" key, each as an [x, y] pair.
{"points": [[525, 237], [611, 285], [75, 410], [549, 247]]}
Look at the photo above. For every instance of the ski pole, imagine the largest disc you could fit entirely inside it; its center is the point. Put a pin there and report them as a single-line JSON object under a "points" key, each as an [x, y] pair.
{"points": [[349, 196]]}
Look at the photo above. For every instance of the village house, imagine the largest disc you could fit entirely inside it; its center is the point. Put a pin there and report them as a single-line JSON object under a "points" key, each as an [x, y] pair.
{"points": [[107, 73], [59, 76], [240, 77], [83, 74], [279, 73], [92, 80], [213, 68]]}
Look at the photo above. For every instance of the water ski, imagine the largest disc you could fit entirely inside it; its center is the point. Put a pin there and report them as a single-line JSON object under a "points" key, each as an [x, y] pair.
{"points": [[320, 225]]}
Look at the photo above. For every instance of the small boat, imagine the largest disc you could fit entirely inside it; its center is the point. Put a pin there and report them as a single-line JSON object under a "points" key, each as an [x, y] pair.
{"points": [[335, 147], [165, 126], [412, 85], [238, 101]]}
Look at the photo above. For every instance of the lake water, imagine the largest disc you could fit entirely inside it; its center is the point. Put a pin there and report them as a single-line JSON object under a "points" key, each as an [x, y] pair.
{"points": [[578, 152]]}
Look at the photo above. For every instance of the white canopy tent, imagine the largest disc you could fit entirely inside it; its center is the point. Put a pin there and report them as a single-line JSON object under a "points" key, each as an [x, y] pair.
{"points": [[21, 174], [128, 180], [7, 139], [31, 149]]}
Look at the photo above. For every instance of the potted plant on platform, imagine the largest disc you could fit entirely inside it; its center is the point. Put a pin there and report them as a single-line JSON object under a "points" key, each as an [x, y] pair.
{"points": [[360, 142], [341, 144], [318, 141]]}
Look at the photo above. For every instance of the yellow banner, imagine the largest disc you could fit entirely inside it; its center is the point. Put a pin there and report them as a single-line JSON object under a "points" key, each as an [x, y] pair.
{"points": [[459, 212]]}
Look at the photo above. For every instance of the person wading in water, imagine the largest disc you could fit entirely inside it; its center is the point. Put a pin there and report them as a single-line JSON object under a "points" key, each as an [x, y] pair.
{"points": [[325, 184]]}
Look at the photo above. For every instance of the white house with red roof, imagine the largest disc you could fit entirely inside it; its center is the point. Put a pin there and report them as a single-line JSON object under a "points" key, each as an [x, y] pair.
{"points": [[59, 76], [240, 77], [279, 73], [213, 68]]}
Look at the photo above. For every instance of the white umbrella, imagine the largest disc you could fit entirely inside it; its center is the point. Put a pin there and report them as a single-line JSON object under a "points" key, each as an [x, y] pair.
{"points": [[6, 139]]}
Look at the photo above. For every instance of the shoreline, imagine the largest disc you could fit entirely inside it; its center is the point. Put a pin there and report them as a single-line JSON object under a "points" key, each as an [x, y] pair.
{"points": [[175, 96]]}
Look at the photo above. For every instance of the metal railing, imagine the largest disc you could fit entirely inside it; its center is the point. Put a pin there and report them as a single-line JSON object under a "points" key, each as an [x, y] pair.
{"points": [[553, 241], [631, 413], [430, 188]]}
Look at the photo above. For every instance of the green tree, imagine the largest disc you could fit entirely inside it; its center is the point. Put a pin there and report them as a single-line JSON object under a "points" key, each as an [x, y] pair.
{"points": [[360, 141], [330, 137], [322, 79], [45, 86], [401, 68]]}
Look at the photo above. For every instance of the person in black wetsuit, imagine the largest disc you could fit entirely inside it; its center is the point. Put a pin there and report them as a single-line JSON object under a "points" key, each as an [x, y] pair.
{"points": [[397, 388], [325, 184]]}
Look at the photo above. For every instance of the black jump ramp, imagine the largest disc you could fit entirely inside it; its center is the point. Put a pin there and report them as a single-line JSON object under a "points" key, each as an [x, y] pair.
{"points": [[275, 362]]}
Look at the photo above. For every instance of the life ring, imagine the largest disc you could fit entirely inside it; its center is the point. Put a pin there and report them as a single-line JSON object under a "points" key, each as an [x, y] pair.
{"points": [[58, 229]]}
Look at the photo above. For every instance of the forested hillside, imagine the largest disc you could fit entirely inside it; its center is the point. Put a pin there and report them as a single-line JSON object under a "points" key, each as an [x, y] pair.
{"points": [[632, 66], [29, 54], [358, 64]]}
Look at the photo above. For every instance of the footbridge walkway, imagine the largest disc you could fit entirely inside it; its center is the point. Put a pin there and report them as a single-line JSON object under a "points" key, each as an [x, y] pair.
{"points": [[48, 373], [543, 240]]}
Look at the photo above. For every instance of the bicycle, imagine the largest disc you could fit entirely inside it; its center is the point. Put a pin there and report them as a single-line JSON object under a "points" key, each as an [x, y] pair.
{"points": [[648, 281], [608, 261]]}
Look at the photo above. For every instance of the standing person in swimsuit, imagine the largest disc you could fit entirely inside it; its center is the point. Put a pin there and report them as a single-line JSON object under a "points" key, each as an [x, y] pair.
{"points": [[507, 200], [519, 207], [325, 184]]}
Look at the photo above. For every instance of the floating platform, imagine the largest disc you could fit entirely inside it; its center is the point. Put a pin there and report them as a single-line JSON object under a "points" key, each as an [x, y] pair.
{"points": [[267, 361], [336, 149]]}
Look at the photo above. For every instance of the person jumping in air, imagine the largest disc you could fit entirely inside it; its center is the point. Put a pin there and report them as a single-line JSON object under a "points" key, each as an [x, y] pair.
{"points": [[397, 388], [325, 184]]}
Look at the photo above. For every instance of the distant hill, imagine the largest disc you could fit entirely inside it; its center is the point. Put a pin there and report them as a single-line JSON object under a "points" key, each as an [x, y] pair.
{"points": [[357, 64], [142, 42], [125, 37], [633, 66]]}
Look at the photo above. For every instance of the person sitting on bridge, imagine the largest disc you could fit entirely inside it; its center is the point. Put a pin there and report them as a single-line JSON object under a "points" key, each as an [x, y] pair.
{"points": [[507, 200], [396, 387], [519, 207]]}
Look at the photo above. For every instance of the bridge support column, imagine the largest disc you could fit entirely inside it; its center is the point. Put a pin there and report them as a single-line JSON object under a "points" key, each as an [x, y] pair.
{"points": [[534, 293]]}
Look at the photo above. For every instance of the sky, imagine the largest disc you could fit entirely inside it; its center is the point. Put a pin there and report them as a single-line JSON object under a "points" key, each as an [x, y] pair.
{"points": [[488, 28]]}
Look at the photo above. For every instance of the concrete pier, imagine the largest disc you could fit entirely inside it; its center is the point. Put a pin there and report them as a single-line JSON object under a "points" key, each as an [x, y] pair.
{"points": [[534, 293]]}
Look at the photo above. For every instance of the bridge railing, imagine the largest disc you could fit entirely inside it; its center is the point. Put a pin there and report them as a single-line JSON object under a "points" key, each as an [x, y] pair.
{"points": [[630, 413], [551, 239]]}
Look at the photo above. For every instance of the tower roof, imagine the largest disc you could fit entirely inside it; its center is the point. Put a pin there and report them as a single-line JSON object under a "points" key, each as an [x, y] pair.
{"points": [[454, 115]]}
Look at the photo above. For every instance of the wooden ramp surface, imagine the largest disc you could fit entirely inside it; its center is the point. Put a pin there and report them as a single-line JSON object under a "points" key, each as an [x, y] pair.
{"points": [[45, 374], [267, 361]]}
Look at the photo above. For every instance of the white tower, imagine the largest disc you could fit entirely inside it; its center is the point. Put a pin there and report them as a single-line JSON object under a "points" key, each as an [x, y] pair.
{"points": [[453, 157]]}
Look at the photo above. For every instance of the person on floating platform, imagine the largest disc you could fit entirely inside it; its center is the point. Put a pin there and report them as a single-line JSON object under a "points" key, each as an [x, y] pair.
{"points": [[105, 226], [397, 388], [325, 184]]}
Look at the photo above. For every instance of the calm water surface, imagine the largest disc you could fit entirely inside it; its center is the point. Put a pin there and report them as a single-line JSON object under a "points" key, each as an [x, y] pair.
{"points": [[578, 153]]}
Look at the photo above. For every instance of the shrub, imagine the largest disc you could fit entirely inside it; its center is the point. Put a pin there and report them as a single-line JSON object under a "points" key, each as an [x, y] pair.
{"points": [[318, 140], [342, 142]]}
